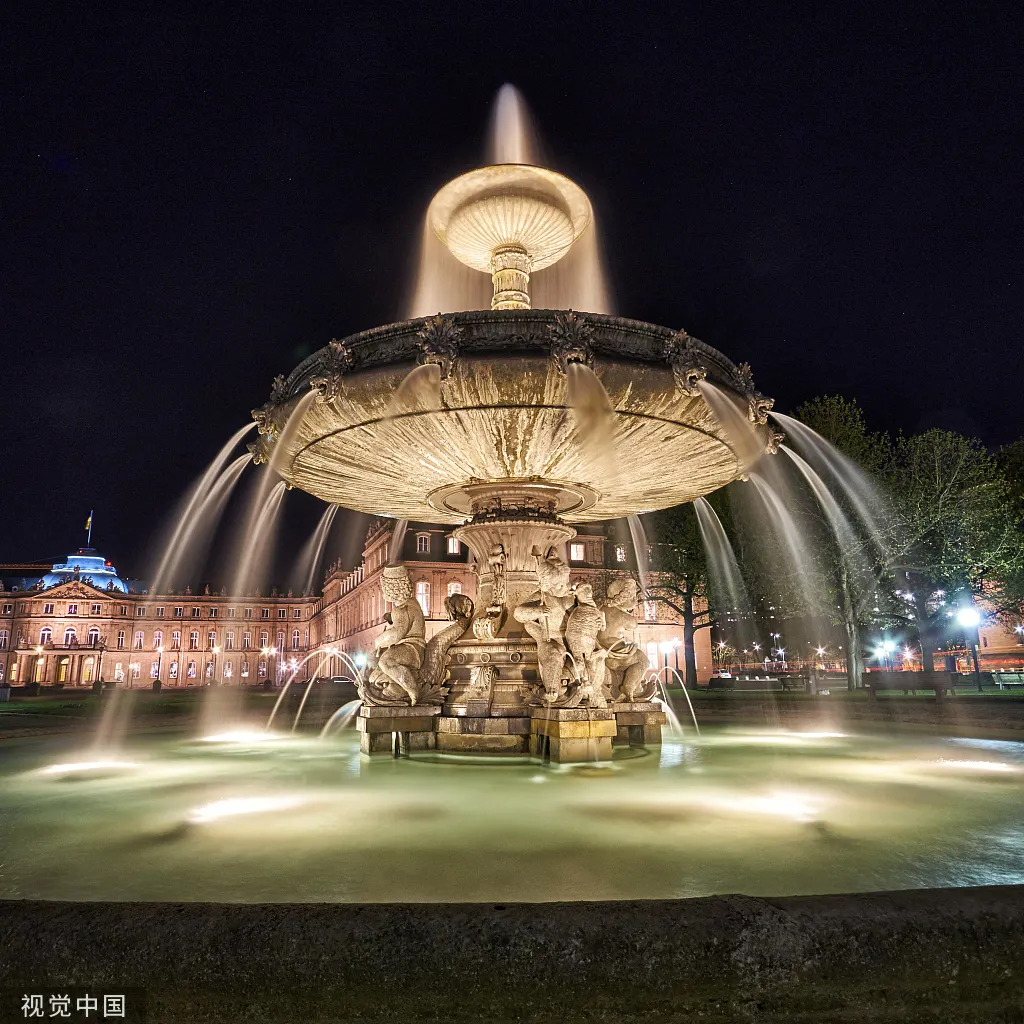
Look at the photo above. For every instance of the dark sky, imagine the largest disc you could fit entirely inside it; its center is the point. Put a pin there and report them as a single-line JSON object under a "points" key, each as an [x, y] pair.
{"points": [[194, 197]]}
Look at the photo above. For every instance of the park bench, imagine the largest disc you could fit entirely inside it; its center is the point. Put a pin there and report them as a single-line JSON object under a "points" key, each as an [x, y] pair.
{"points": [[939, 683], [1008, 680]]}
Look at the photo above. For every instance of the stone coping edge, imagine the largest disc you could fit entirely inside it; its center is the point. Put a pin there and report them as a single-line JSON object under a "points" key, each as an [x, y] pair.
{"points": [[923, 955]]}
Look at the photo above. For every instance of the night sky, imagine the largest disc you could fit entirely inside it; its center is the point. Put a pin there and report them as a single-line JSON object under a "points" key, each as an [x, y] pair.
{"points": [[195, 197]]}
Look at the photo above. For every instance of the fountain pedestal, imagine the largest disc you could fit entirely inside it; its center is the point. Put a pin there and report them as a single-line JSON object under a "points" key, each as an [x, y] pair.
{"points": [[572, 735], [638, 724], [412, 728]]}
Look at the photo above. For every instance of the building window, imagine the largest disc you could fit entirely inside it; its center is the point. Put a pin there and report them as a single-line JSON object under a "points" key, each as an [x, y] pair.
{"points": [[620, 552], [213, 613], [247, 613], [1, 671], [94, 637], [264, 613], [652, 655], [139, 640], [119, 672], [231, 612], [158, 638], [197, 613], [282, 613], [650, 611], [179, 612], [261, 669], [193, 640], [228, 670], [280, 641], [454, 546], [173, 670], [120, 639], [4, 636], [175, 640], [295, 640], [158, 612], [140, 612], [8, 609], [422, 543], [211, 638], [423, 596], [72, 609], [576, 552], [45, 635], [14, 672], [264, 638], [209, 670], [94, 609], [191, 670], [454, 588], [246, 641], [70, 636], [297, 613], [47, 609], [124, 610], [245, 669], [154, 670], [136, 669], [229, 641]]}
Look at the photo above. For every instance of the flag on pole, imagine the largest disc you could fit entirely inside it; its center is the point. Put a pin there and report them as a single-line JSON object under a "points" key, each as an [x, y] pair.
{"points": [[88, 527], [88, 522]]}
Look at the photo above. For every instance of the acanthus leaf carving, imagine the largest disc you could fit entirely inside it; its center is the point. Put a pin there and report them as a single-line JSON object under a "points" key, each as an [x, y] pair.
{"points": [[439, 343], [687, 362], [335, 361], [571, 336]]}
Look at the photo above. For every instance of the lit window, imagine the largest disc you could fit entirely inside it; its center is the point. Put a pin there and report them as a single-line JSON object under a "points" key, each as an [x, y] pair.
{"points": [[45, 635], [193, 641], [423, 596], [650, 611], [4, 636], [229, 641], [620, 552], [136, 669], [454, 546], [72, 609], [47, 609], [119, 672], [191, 670], [454, 588], [209, 669], [154, 670], [94, 636], [295, 639], [245, 669], [422, 543], [261, 669], [139, 639], [70, 636], [652, 655], [577, 552], [173, 670], [120, 639], [94, 609], [228, 670]]}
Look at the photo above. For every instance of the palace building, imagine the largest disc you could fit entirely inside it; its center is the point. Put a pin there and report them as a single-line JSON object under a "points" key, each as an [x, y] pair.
{"points": [[78, 622]]}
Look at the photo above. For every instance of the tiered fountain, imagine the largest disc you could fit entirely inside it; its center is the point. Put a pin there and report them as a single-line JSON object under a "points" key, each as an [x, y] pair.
{"points": [[512, 423]]}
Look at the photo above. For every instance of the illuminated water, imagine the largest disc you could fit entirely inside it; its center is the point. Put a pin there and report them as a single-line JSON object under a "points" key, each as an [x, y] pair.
{"points": [[284, 819]]}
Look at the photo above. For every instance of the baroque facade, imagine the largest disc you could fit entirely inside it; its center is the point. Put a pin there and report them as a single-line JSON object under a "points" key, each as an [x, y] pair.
{"points": [[73, 624]]}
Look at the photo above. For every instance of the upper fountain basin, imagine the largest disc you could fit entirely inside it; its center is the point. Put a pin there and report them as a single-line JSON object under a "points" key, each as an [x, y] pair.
{"points": [[495, 410]]}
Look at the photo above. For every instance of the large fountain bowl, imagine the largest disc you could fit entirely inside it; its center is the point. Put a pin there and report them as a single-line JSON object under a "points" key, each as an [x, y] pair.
{"points": [[386, 437]]}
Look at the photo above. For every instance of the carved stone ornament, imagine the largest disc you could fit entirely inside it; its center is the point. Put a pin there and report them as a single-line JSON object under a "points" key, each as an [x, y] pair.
{"points": [[481, 682], [625, 663], [278, 389], [570, 341], [439, 343], [486, 626], [335, 362], [265, 421], [758, 407], [261, 449], [744, 377], [774, 440], [687, 363]]}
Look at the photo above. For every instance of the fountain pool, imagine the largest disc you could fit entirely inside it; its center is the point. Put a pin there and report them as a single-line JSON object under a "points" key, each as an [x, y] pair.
{"points": [[275, 818]]}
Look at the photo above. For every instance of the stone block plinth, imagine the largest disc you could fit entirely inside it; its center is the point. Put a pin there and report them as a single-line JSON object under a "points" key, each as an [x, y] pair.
{"points": [[466, 735], [569, 735], [638, 724], [396, 730]]}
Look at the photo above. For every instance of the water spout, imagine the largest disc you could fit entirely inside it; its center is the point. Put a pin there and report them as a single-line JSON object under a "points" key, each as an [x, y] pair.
{"points": [[396, 542], [725, 569], [738, 430], [637, 532], [342, 718], [512, 138], [313, 550]]}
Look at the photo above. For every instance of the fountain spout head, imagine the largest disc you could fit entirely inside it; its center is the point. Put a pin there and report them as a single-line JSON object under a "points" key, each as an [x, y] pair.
{"points": [[510, 220]]}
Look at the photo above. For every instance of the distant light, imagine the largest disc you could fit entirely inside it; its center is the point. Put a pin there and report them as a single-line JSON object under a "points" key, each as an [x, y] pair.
{"points": [[360, 660], [821, 652], [888, 646], [968, 617], [243, 805]]}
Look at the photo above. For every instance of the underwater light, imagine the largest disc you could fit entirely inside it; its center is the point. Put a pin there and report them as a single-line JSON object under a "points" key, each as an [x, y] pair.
{"points": [[240, 736], [85, 766], [235, 806]]}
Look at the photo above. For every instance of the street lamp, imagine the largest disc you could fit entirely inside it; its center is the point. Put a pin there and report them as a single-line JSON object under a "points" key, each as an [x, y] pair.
{"points": [[970, 619], [216, 651]]}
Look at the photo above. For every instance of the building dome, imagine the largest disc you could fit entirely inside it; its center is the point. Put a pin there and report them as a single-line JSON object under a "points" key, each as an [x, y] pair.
{"points": [[90, 567]]}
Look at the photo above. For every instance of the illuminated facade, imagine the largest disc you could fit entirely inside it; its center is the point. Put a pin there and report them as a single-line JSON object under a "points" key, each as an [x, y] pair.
{"points": [[74, 625]]}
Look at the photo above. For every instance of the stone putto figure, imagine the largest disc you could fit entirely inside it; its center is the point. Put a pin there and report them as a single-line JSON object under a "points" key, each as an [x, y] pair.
{"points": [[543, 616], [400, 647], [582, 628], [626, 663]]}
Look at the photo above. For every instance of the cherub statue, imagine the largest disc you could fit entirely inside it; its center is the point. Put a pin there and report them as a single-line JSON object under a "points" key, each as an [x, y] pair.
{"points": [[626, 663], [543, 616], [395, 678], [582, 628]]}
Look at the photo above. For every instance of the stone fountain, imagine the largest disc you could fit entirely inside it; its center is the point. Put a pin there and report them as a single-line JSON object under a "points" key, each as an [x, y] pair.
{"points": [[512, 424]]}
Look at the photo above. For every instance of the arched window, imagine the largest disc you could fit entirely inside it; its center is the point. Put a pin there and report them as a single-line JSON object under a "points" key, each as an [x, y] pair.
{"points": [[45, 635], [652, 655], [280, 641], [4, 636], [88, 670], [140, 639], [94, 637], [158, 638], [228, 670], [193, 640], [245, 669], [173, 671], [454, 588], [191, 670], [264, 638], [295, 640], [422, 543], [70, 636], [423, 596]]}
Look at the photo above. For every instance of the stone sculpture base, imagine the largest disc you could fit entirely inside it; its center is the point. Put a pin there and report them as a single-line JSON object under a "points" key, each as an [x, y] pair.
{"points": [[638, 724], [468, 734], [411, 728], [572, 735]]}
